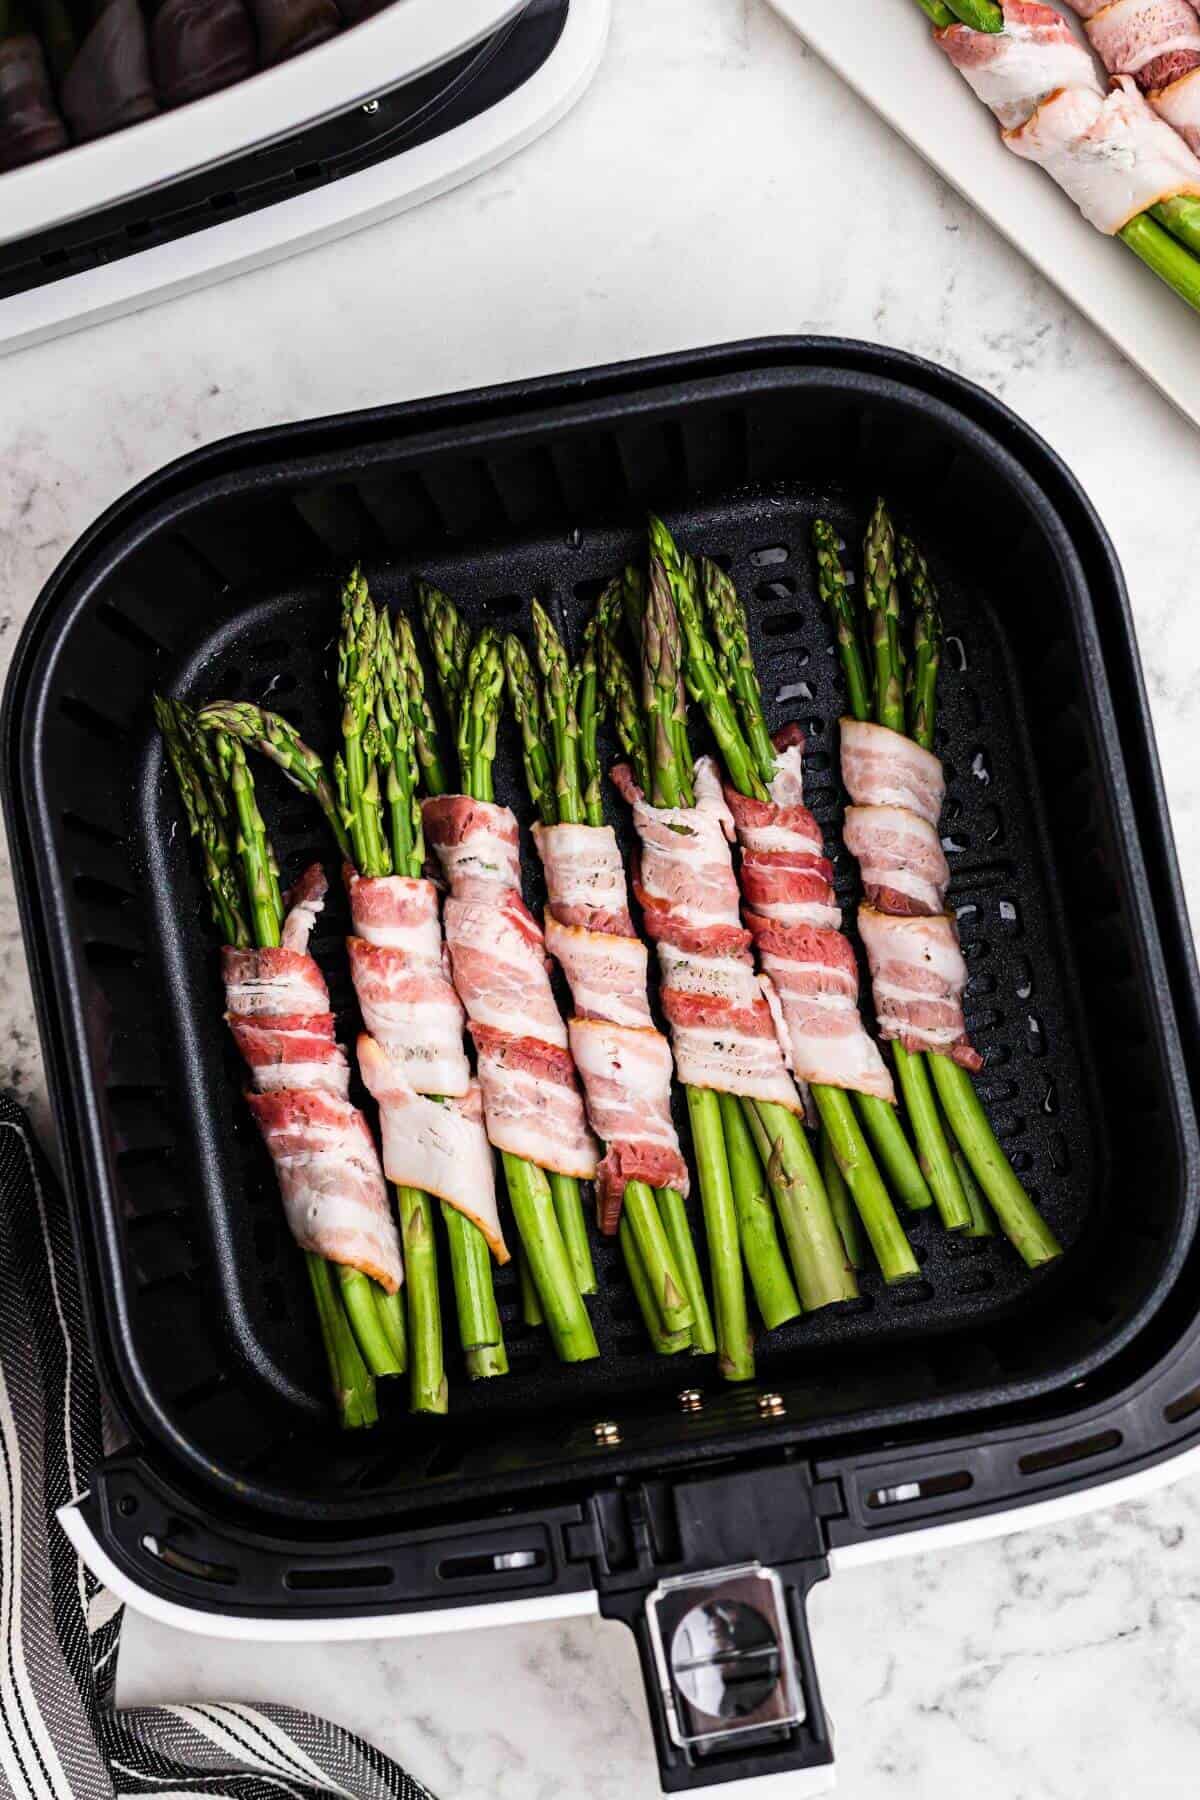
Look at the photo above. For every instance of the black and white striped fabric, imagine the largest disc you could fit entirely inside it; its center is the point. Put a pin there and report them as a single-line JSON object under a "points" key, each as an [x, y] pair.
{"points": [[60, 1736]]}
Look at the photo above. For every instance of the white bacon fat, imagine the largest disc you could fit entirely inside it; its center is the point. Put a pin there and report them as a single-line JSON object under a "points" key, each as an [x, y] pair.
{"points": [[1179, 105], [884, 768], [791, 911], [442, 1148], [623, 1060], [402, 980], [722, 1027], [1014, 70], [1114, 157], [413, 1049], [333, 1191], [531, 1098]]}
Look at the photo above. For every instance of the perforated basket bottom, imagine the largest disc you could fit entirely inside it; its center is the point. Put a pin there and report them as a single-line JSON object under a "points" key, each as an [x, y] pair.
{"points": [[280, 650]]}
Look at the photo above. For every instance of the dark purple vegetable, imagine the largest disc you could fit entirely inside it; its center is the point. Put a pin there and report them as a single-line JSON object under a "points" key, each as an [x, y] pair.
{"points": [[354, 11], [198, 46], [109, 83], [30, 124], [285, 27]]}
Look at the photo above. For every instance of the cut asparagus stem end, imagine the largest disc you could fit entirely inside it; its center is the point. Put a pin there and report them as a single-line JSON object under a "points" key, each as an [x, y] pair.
{"points": [[666, 1343], [352, 1382], [487, 1360], [474, 1294], [1019, 1218], [428, 1389], [774, 1294], [657, 1259], [572, 1222], [672, 1209], [900, 1167], [1170, 261], [893, 1252], [936, 1157], [841, 1205], [531, 1306], [815, 1248], [533, 1208], [735, 1348]]}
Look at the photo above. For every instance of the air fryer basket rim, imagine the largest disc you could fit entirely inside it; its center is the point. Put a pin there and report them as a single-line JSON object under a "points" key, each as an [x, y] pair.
{"points": [[297, 450]]}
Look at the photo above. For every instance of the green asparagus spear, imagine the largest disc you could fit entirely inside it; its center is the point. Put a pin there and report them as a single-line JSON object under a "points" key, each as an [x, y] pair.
{"points": [[730, 628], [199, 763]]}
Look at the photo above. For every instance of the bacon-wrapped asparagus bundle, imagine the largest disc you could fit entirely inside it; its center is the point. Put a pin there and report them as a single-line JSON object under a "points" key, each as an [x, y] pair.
{"points": [[809, 971], [896, 788], [325, 1158], [725, 1032], [1111, 153], [623, 1060], [1156, 43], [531, 1100]]}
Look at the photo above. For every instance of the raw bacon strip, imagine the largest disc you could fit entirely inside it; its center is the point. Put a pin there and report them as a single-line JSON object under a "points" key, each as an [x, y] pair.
{"points": [[722, 1027], [919, 975], [477, 845], [815, 975], [585, 877], [442, 1149], [292, 1050], [605, 972], [900, 858], [531, 1100], [884, 768], [499, 961], [532, 1103], [1114, 157], [1155, 41], [623, 1060], [1014, 70], [802, 952], [333, 1190], [402, 979], [1179, 105]]}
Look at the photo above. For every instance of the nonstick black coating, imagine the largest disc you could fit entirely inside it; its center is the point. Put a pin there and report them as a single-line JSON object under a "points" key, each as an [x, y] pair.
{"points": [[233, 593]]}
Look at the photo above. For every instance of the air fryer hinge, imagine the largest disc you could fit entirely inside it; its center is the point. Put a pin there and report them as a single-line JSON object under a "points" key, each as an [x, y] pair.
{"points": [[712, 1576]]}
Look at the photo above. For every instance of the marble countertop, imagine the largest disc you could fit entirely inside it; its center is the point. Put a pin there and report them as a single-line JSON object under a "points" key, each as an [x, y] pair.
{"points": [[716, 183]]}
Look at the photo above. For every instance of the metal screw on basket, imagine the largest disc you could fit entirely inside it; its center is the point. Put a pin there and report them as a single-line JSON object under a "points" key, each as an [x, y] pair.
{"points": [[771, 1406], [606, 1432], [691, 1400]]}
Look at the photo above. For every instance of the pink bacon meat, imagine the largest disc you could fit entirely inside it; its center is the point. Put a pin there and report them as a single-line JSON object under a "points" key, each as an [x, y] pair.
{"points": [[624, 1061], [802, 951], [334, 1196], [1155, 41], [531, 1099], [413, 1049], [723, 1029], [1014, 70], [917, 970], [918, 976]]}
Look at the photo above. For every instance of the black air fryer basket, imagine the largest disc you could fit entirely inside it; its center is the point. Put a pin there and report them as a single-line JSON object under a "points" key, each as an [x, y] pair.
{"points": [[977, 1391]]}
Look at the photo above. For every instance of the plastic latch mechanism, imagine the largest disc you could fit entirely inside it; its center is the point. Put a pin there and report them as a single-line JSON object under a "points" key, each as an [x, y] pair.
{"points": [[726, 1661]]}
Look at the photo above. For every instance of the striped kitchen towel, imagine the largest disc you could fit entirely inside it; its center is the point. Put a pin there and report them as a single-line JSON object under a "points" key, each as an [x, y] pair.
{"points": [[61, 1738]]}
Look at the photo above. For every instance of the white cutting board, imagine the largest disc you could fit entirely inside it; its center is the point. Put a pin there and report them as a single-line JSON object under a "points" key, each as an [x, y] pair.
{"points": [[884, 50]]}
